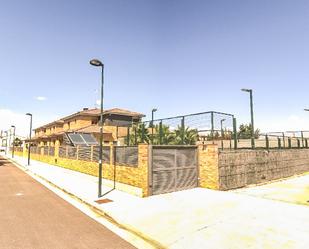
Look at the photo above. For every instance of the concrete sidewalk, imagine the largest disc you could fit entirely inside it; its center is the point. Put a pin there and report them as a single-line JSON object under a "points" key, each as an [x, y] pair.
{"points": [[196, 218]]}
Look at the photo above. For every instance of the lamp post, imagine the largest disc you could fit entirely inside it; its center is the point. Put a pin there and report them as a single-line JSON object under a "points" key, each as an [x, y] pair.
{"points": [[14, 129], [152, 117], [251, 111], [222, 133], [97, 63], [29, 114]]}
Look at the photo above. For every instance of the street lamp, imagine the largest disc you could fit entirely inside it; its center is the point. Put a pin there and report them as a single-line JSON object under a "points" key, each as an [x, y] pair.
{"points": [[251, 110], [97, 63], [13, 126], [222, 134], [152, 117], [29, 146]]}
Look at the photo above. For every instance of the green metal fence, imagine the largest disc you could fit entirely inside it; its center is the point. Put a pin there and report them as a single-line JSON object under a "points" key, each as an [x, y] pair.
{"points": [[183, 130], [210, 128]]}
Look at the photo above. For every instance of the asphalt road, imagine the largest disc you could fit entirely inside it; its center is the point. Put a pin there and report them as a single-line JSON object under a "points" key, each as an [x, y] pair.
{"points": [[33, 217]]}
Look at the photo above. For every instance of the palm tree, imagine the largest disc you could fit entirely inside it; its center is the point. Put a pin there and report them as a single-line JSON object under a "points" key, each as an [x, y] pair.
{"points": [[165, 136], [185, 136], [139, 134]]}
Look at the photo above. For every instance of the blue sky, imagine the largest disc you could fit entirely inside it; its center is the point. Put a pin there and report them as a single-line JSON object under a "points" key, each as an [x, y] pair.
{"points": [[178, 56]]}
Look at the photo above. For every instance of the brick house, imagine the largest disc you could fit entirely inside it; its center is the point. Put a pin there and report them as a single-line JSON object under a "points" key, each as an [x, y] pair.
{"points": [[84, 124]]}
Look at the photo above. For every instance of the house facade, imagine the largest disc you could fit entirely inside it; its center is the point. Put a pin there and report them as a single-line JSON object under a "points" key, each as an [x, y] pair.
{"points": [[82, 128]]}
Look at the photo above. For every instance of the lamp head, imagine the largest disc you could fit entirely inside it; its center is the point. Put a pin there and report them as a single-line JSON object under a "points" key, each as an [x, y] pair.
{"points": [[28, 114], [307, 110], [96, 63], [154, 109], [246, 90]]}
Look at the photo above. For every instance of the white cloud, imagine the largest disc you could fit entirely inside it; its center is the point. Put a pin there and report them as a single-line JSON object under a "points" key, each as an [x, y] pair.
{"points": [[20, 120], [40, 98], [98, 102]]}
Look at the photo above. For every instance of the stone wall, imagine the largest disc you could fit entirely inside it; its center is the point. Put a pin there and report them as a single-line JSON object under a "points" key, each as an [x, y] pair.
{"points": [[244, 167]]}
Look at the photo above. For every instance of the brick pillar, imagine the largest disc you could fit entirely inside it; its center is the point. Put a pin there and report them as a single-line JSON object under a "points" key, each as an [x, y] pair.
{"points": [[25, 151], [57, 145], [143, 166], [77, 151], [111, 164], [209, 166]]}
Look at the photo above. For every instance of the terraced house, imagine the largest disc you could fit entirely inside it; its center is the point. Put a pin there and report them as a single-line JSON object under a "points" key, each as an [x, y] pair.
{"points": [[82, 128]]}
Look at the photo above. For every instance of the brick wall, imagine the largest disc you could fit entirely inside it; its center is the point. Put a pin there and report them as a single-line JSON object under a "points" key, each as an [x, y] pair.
{"points": [[244, 167], [208, 166], [133, 176]]}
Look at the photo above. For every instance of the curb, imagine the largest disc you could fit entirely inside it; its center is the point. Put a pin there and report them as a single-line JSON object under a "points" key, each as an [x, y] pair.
{"points": [[93, 207]]}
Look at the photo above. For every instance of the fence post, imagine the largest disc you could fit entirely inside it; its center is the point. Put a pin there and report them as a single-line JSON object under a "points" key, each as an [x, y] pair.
{"points": [[91, 153], [160, 131], [298, 143], [235, 132], [212, 127], [306, 143], [283, 137], [77, 151], [230, 143], [289, 143], [143, 132], [128, 136], [302, 138], [183, 130], [279, 143], [135, 136], [267, 142]]}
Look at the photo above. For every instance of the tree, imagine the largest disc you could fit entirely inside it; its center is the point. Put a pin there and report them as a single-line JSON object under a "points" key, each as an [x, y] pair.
{"points": [[245, 132], [185, 136], [138, 134], [17, 142], [165, 136], [162, 135]]}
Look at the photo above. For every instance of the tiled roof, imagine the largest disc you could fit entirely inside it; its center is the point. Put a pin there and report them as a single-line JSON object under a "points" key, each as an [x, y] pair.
{"points": [[60, 121], [96, 113], [124, 112], [92, 129]]}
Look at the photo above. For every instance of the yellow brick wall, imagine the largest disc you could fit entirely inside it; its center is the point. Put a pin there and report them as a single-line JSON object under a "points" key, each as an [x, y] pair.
{"points": [[110, 129], [134, 176], [208, 166]]}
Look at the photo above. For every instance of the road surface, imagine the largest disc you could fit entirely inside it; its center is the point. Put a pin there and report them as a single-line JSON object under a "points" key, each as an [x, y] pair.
{"points": [[33, 217]]}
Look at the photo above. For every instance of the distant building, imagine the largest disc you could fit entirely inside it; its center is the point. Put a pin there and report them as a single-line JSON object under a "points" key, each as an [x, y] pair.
{"points": [[82, 128]]}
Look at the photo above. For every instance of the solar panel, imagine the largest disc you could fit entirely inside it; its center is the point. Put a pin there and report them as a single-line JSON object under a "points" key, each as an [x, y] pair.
{"points": [[82, 139], [89, 139], [76, 139]]}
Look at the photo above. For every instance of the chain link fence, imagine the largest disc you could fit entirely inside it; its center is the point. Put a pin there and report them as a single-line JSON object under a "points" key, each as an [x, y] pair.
{"points": [[183, 130]]}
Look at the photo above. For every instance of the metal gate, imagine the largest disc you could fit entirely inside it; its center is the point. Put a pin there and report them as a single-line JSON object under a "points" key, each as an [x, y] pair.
{"points": [[174, 168]]}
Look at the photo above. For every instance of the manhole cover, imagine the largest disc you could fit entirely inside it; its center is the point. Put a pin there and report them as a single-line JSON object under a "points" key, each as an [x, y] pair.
{"points": [[102, 201]]}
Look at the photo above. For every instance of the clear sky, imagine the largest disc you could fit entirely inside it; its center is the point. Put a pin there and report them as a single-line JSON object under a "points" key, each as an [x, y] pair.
{"points": [[181, 57]]}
